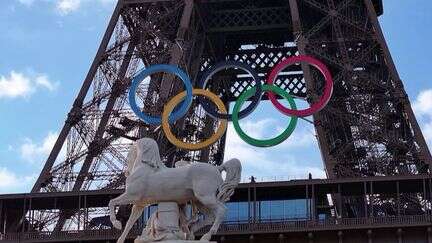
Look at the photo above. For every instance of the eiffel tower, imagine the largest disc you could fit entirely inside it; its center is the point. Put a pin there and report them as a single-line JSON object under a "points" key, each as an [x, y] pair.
{"points": [[367, 129]]}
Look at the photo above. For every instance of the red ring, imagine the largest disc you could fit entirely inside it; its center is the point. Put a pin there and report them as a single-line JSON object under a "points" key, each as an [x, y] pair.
{"points": [[315, 107]]}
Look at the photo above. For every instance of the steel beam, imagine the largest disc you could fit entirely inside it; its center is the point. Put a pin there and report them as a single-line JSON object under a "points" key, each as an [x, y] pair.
{"points": [[78, 101]]}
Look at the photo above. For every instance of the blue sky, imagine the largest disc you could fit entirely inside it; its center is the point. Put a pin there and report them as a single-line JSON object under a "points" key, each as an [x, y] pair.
{"points": [[46, 47]]}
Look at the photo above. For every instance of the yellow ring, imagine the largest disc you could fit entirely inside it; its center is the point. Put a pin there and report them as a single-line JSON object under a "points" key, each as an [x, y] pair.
{"points": [[169, 107]]}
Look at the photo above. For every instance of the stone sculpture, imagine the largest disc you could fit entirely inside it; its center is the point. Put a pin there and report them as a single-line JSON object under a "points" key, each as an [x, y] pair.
{"points": [[149, 181]]}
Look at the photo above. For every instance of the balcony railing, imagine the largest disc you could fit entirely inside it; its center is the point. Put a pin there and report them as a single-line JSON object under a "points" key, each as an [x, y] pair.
{"points": [[241, 227]]}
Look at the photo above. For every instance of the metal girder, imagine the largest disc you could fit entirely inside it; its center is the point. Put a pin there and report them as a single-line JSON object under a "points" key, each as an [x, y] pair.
{"points": [[367, 129], [78, 101], [96, 120], [351, 62]]}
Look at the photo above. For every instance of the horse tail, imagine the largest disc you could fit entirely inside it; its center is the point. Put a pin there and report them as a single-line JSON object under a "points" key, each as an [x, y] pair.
{"points": [[233, 175]]}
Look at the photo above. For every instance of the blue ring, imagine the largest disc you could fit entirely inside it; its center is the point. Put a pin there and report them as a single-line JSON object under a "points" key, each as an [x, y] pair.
{"points": [[178, 113]]}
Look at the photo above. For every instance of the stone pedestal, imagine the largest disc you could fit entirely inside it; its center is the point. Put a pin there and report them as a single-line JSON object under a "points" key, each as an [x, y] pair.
{"points": [[168, 217], [180, 241], [166, 225]]}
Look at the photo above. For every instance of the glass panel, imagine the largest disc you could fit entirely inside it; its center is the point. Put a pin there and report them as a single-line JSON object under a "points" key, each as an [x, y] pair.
{"points": [[232, 212], [243, 213], [265, 210], [283, 209], [277, 209], [299, 209]]}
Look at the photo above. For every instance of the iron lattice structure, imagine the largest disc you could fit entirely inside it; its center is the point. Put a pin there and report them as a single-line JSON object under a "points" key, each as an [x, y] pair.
{"points": [[367, 129]]}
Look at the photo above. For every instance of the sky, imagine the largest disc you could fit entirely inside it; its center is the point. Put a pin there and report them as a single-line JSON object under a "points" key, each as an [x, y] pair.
{"points": [[47, 46]]}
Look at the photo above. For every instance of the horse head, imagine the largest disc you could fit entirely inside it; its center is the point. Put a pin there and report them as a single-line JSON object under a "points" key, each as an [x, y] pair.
{"points": [[145, 152]]}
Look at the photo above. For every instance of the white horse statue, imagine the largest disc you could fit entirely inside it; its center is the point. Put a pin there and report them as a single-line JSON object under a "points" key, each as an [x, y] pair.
{"points": [[149, 181]]}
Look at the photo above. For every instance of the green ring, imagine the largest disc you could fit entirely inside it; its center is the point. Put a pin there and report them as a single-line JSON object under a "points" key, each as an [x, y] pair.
{"points": [[268, 142]]}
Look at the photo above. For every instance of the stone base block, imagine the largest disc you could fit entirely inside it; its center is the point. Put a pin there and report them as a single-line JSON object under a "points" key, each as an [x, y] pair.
{"points": [[177, 241]]}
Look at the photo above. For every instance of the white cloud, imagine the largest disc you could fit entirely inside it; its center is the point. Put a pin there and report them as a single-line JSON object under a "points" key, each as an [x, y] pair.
{"points": [[11, 182], [423, 108], [32, 152], [7, 178], [263, 162], [43, 81], [427, 133], [64, 7], [21, 85], [26, 2], [107, 2], [299, 139], [16, 85], [423, 103]]}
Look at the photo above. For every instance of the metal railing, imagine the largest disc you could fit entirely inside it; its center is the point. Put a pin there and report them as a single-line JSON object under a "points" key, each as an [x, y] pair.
{"points": [[240, 227], [326, 224]]}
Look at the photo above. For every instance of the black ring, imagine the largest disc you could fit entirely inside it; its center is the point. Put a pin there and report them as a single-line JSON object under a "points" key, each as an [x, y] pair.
{"points": [[225, 65]]}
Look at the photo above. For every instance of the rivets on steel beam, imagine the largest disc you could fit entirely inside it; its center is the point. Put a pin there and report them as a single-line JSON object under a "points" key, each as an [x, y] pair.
{"points": [[333, 12]]}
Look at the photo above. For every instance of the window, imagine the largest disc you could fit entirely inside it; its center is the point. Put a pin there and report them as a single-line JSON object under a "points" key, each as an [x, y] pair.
{"points": [[283, 209], [237, 211]]}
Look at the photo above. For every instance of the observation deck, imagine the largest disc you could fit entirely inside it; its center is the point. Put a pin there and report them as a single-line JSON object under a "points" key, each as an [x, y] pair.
{"points": [[294, 210]]}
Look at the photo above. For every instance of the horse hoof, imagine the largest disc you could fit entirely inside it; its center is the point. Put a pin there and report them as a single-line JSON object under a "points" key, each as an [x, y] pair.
{"points": [[191, 236], [206, 237], [117, 224]]}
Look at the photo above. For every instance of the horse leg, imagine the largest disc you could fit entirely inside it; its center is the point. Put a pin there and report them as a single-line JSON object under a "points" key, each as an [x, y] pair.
{"points": [[135, 214], [200, 223], [218, 210], [184, 221], [123, 199]]}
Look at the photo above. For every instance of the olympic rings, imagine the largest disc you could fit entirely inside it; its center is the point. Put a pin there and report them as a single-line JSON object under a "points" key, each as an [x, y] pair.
{"points": [[269, 142], [155, 120], [175, 101], [177, 107], [328, 89], [225, 65]]}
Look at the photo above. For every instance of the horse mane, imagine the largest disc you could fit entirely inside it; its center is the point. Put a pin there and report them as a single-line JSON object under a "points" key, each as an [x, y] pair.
{"points": [[132, 155]]}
